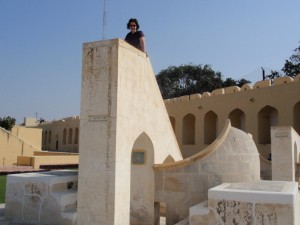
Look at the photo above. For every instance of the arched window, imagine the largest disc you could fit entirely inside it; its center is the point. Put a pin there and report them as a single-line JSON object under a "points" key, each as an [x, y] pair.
{"points": [[210, 127], [45, 137], [76, 136], [49, 137], [65, 136], [267, 117], [237, 119], [296, 117], [70, 136], [172, 120], [188, 129]]}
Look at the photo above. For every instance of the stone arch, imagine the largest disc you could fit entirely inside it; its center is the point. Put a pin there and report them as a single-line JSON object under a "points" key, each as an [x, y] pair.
{"points": [[76, 136], [237, 119], [49, 137], [296, 117], [45, 137], [70, 138], [267, 117], [210, 127], [142, 181], [188, 129], [173, 121], [65, 136]]}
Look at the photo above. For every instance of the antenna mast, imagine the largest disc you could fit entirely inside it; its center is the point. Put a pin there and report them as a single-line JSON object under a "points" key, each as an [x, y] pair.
{"points": [[104, 19]]}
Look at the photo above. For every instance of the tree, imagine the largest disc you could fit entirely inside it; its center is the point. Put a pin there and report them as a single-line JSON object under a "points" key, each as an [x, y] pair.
{"points": [[274, 74], [7, 122], [292, 65], [190, 79]]}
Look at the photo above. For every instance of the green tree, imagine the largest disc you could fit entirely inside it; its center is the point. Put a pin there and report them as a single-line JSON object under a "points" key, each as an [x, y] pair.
{"points": [[274, 74], [7, 122], [292, 65], [189, 79]]}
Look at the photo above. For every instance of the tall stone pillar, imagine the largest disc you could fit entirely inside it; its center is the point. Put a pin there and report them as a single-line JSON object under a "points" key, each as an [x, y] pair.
{"points": [[284, 156], [97, 143], [121, 111]]}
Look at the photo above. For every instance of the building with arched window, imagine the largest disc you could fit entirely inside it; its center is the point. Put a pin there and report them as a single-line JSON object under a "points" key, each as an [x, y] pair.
{"points": [[61, 135], [198, 119]]}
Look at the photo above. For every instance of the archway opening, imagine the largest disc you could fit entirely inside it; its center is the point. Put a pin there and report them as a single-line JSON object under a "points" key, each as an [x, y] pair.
{"points": [[142, 182], [267, 117]]}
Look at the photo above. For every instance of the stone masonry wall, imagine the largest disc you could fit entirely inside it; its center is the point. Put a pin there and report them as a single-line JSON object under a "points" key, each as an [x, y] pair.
{"points": [[185, 185]]}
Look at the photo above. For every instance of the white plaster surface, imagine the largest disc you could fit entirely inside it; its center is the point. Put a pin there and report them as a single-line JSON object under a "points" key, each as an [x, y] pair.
{"points": [[120, 101], [258, 192], [285, 144], [198, 214], [259, 203], [42, 198]]}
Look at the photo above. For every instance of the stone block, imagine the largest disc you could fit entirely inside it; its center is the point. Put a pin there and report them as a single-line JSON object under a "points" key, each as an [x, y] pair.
{"points": [[259, 203], [42, 198]]}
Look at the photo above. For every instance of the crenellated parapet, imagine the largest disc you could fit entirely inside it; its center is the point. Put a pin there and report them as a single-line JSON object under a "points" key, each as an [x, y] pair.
{"points": [[61, 121], [234, 89]]}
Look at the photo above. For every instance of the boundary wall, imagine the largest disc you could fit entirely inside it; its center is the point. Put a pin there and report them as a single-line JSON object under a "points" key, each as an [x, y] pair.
{"points": [[61, 135], [12, 146], [198, 119]]}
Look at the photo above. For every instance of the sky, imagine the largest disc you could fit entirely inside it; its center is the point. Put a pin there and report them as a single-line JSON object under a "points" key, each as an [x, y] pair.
{"points": [[41, 43]]}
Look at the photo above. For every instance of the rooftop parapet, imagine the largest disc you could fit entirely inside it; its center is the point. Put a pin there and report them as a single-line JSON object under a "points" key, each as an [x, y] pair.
{"points": [[234, 89]]}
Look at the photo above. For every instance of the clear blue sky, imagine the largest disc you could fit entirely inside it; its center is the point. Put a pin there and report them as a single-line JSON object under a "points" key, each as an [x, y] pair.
{"points": [[41, 43]]}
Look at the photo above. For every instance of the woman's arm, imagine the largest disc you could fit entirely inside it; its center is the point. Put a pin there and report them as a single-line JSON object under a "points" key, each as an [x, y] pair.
{"points": [[143, 44]]}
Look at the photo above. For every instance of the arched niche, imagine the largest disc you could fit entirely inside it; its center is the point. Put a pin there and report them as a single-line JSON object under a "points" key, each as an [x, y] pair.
{"points": [[267, 117], [188, 129], [173, 121], [210, 127], [237, 119], [296, 117]]}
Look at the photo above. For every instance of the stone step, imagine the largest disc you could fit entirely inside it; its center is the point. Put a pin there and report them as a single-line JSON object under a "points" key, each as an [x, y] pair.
{"points": [[71, 216], [183, 222], [198, 214], [66, 200]]}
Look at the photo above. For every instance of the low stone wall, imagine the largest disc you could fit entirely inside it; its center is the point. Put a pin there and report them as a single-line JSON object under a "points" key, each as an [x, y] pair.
{"points": [[42, 198], [12, 146], [47, 160], [260, 203]]}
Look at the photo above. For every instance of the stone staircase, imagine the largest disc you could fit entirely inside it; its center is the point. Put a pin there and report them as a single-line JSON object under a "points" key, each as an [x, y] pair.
{"points": [[198, 215], [42, 198]]}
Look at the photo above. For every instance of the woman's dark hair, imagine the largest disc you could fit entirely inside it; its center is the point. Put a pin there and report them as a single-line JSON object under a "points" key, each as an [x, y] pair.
{"points": [[133, 20]]}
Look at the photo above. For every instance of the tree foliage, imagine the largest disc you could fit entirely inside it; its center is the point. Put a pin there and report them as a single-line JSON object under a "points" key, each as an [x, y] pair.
{"points": [[189, 79], [292, 65], [7, 122]]}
